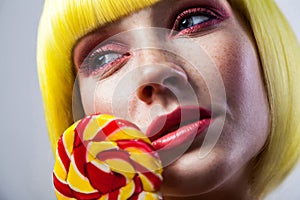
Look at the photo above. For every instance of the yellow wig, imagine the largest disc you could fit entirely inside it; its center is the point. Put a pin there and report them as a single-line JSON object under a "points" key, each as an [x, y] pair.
{"points": [[64, 22]]}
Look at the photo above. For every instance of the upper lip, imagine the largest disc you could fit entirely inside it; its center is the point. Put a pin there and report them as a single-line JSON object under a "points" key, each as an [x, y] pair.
{"points": [[181, 116]]}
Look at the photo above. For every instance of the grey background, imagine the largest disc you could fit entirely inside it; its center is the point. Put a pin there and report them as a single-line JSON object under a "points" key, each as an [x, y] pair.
{"points": [[26, 160]]}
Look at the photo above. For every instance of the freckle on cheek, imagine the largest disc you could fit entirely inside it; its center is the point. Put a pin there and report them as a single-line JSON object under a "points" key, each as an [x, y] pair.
{"points": [[132, 107]]}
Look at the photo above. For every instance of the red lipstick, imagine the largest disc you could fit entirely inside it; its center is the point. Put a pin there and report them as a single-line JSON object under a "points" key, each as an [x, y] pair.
{"points": [[179, 126]]}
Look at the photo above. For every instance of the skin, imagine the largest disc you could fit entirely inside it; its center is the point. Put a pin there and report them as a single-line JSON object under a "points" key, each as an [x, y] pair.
{"points": [[150, 91]]}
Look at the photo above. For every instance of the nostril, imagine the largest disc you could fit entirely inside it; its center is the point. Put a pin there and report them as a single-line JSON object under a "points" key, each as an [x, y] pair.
{"points": [[156, 82], [147, 92]]}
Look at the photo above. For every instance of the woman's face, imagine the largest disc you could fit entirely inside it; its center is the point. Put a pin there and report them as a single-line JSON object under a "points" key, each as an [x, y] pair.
{"points": [[178, 60]]}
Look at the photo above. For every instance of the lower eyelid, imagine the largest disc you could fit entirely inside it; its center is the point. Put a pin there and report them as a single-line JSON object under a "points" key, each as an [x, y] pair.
{"points": [[201, 27]]}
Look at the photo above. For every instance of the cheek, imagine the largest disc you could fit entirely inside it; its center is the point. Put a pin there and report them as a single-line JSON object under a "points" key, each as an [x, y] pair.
{"points": [[246, 97], [247, 120], [96, 97], [234, 54], [113, 95]]}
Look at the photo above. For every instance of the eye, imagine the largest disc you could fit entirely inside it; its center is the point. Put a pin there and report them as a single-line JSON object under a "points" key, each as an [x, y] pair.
{"points": [[191, 21], [104, 60], [194, 19], [101, 60]]}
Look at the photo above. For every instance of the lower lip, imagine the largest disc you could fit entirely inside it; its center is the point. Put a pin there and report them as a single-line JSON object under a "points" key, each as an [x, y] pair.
{"points": [[184, 134]]}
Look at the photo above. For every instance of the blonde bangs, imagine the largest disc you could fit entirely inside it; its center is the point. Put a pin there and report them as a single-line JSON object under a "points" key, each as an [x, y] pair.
{"points": [[62, 24]]}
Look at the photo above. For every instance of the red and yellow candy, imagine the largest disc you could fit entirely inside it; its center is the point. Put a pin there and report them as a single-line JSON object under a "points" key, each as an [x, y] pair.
{"points": [[102, 157]]}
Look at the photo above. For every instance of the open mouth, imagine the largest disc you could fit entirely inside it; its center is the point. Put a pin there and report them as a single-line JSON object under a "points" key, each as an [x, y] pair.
{"points": [[179, 126]]}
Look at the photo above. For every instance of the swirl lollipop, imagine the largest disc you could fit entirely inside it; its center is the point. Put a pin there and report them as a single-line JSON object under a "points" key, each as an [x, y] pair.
{"points": [[103, 157]]}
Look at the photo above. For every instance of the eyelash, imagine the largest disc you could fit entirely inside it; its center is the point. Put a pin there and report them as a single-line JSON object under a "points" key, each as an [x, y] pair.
{"points": [[212, 16], [90, 67]]}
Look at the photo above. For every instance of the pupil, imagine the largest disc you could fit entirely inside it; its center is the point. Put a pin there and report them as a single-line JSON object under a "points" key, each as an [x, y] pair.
{"points": [[186, 23], [107, 58], [101, 59]]}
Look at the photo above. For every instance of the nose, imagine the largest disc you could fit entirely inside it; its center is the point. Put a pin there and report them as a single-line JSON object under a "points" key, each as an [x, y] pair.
{"points": [[160, 80]]}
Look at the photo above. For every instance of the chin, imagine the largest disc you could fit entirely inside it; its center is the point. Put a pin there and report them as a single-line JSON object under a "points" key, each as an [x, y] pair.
{"points": [[191, 176]]}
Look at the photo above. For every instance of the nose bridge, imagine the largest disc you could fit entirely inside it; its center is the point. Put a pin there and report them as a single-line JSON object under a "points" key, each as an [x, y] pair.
{"points": [[148, 37], [152, 56]]}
